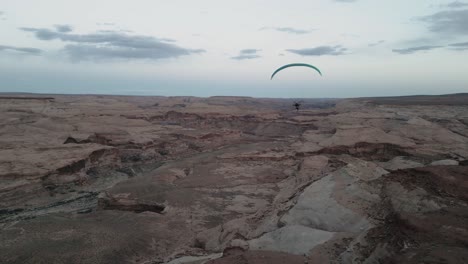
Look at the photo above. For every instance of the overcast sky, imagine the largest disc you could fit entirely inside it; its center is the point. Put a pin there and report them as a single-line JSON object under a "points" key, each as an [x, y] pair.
{"points": [[213, 47]]}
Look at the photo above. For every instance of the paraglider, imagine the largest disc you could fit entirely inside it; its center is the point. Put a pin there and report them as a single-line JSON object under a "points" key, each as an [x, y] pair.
{"points": [[297, 104], [295, 65]]}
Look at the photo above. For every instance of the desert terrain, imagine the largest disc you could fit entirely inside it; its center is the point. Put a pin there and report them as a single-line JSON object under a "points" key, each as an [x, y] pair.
{"points": [[224, 180]]}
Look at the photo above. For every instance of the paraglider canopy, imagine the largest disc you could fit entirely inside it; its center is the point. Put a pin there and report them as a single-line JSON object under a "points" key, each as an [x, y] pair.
{"points": [[295, 65]]}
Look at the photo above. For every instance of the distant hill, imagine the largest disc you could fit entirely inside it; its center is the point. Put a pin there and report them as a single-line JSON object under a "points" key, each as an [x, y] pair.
{"points": [[446, 99]]}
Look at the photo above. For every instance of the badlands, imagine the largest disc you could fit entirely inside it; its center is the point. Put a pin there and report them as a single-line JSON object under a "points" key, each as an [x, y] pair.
{"points": [[224, 180]]}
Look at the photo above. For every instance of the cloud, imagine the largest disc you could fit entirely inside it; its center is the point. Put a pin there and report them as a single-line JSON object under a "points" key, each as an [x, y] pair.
{"points": [[125, 31], [456, 4], [247, 54], [376, 43], [288, 30], [459, 46], [249, 51], [451, 23], [63, 28], [345, 1], [245, 57], [463, 44], [110, 45], [79, 52], [320, 51], [23, 50], [415, 49]]}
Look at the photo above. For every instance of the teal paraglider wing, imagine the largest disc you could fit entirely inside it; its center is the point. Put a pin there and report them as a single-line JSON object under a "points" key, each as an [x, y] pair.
{"points": [[295, 65]]}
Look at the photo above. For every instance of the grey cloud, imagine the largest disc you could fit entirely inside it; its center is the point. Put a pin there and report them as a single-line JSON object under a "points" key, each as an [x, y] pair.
{"points": [[288, 30], [43, 33], [320, 51], [415, 49], [114, 31], [113, 45], [247, 54], [459, 46], [292, 30], [111, 37], [249, 51], [376, 43], [79, 52], [30, 51], [463, 44], [63, 28], [452, 22], [457, 4], [345, 1], [245, 57]]}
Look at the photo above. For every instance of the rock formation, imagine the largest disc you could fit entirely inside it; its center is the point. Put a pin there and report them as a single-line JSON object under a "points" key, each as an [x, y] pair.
{"points": [[120, 179]]}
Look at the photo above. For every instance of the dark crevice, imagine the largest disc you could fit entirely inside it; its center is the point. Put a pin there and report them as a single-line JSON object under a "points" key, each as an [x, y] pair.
{"points": [[111, 203], [368, 151]]}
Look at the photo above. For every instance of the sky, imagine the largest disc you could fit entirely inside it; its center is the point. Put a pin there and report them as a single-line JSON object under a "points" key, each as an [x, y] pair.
{"points": [[213, 47]]}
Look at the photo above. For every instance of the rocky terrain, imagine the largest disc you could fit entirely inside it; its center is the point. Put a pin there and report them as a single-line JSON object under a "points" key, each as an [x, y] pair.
{"points": [[224, 180]]}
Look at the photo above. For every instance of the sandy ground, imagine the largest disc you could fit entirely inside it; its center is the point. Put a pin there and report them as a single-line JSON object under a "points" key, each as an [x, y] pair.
{"points": [[120, 179]]}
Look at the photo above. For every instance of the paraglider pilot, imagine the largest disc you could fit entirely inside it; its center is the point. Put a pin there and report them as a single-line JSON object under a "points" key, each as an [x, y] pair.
{"points": [[297, 105]]}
